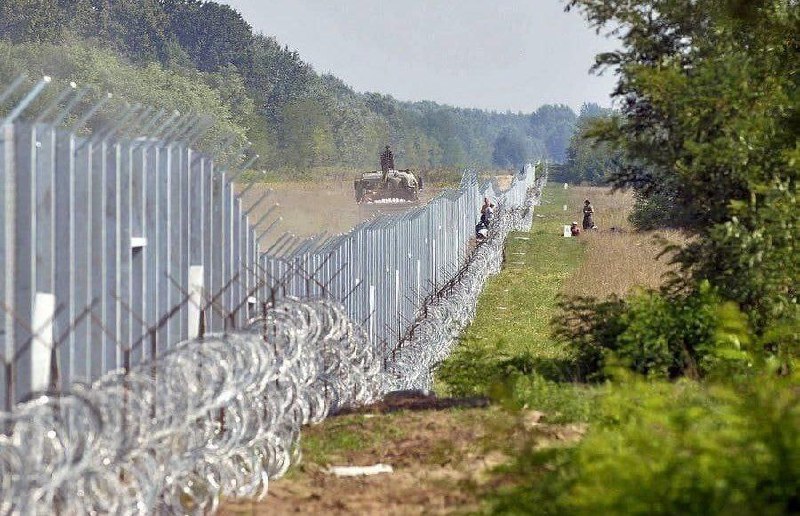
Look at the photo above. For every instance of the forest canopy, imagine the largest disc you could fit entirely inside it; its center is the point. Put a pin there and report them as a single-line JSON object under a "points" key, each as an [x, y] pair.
{"points": [[295, 117]]}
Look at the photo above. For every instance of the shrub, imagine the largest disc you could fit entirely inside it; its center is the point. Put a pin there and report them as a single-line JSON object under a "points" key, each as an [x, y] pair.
{"points": [[655, 333], [674, 448]]}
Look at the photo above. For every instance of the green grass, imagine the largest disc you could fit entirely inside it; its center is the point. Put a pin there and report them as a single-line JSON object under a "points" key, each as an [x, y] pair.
{"points": [[517, 304], [342, 436], [508, 351]]}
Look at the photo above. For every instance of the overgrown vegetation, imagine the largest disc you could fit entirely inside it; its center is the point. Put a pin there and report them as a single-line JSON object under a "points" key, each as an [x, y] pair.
{"points": [[698, 411], [508, 352], [223, 98], [651, 334], [664, 448], [297, 120], [589, 161], [709, 124]]}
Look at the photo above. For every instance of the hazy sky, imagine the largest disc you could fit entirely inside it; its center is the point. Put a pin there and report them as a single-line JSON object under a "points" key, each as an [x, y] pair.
{"points": [[492, 54]]}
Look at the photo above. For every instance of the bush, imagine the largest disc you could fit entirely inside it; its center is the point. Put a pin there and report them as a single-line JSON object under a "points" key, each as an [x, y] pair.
{"points": [[655, 333], [674, 448], [562, 402], [656, 211], [473, 370]]}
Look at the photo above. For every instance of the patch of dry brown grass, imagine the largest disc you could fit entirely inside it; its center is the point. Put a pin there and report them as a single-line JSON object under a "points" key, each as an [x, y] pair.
{"points": [[616, 261], [312, 207]]}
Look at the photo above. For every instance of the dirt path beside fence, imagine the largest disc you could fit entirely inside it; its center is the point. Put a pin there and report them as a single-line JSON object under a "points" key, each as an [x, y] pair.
{"points": [[443, 462]]}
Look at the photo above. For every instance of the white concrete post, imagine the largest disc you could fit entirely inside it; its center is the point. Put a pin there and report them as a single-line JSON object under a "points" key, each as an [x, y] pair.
{"points": [[433, 262], [371, 313], [419, 282], [44, 310], [196, 289]]}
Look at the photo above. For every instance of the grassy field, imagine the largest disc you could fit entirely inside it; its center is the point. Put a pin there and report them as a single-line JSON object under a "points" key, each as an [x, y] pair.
{"points": [[616, 261], [511, 333], [328, 204], [309, 208], [467, 460]]}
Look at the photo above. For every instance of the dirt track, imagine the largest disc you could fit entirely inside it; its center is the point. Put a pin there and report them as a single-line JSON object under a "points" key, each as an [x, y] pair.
{"points": [[444, 462]]}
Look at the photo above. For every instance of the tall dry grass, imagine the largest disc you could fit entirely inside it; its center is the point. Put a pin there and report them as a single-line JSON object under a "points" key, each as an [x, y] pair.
{"points": [[312, 207], [616, 261]]}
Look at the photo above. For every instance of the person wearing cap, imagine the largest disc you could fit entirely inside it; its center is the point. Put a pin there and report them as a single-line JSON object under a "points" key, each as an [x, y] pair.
{"points": [[574, 229]]}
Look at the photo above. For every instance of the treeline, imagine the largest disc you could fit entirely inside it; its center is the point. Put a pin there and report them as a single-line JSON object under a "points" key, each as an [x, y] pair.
{"points": [[295, 118], [698, 406], [589, 160]]}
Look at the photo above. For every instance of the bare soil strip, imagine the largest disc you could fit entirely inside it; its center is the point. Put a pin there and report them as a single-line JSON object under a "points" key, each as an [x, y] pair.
{"points": [[443, 462]]}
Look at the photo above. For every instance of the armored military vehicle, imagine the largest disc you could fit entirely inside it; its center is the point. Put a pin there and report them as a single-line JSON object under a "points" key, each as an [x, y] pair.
{"points": [[388, 184]]}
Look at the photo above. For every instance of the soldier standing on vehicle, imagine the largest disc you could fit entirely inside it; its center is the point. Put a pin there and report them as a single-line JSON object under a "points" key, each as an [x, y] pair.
{"points": [[387, 162]]}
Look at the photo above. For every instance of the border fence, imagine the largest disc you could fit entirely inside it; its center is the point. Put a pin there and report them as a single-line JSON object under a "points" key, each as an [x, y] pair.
{"points": [[115, 249], [142, 325]]}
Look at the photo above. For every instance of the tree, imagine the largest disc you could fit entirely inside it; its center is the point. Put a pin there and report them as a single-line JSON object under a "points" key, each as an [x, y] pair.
{"points": [[588, 159], [509, 150], [214, 35], [711, 117], [267, 86], [31, 20], [554, 125]]}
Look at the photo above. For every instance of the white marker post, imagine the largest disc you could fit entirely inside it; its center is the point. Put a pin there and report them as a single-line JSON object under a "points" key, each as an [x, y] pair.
{"points": [[372, 314], [567, 231], [44, 311], [196, 289]]}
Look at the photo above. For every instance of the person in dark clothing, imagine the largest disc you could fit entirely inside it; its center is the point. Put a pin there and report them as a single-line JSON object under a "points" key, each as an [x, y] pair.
{"points": [[487, 211], [487, 214], [574, 229], [387, 160], [387, 163], [588, 215]]}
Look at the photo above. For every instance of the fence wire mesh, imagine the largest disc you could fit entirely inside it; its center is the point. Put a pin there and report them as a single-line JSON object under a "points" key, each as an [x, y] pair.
{"points": [[156, 358]]}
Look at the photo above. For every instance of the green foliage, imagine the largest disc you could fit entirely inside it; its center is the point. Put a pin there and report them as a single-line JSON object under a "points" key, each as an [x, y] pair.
{"points": [[554, 125], [674, 448], [150, 85], [296, 118], [711, 117], [657, 334], [561, 402], [656, 211], [666, 337], [510, 150], [588, 159]]}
